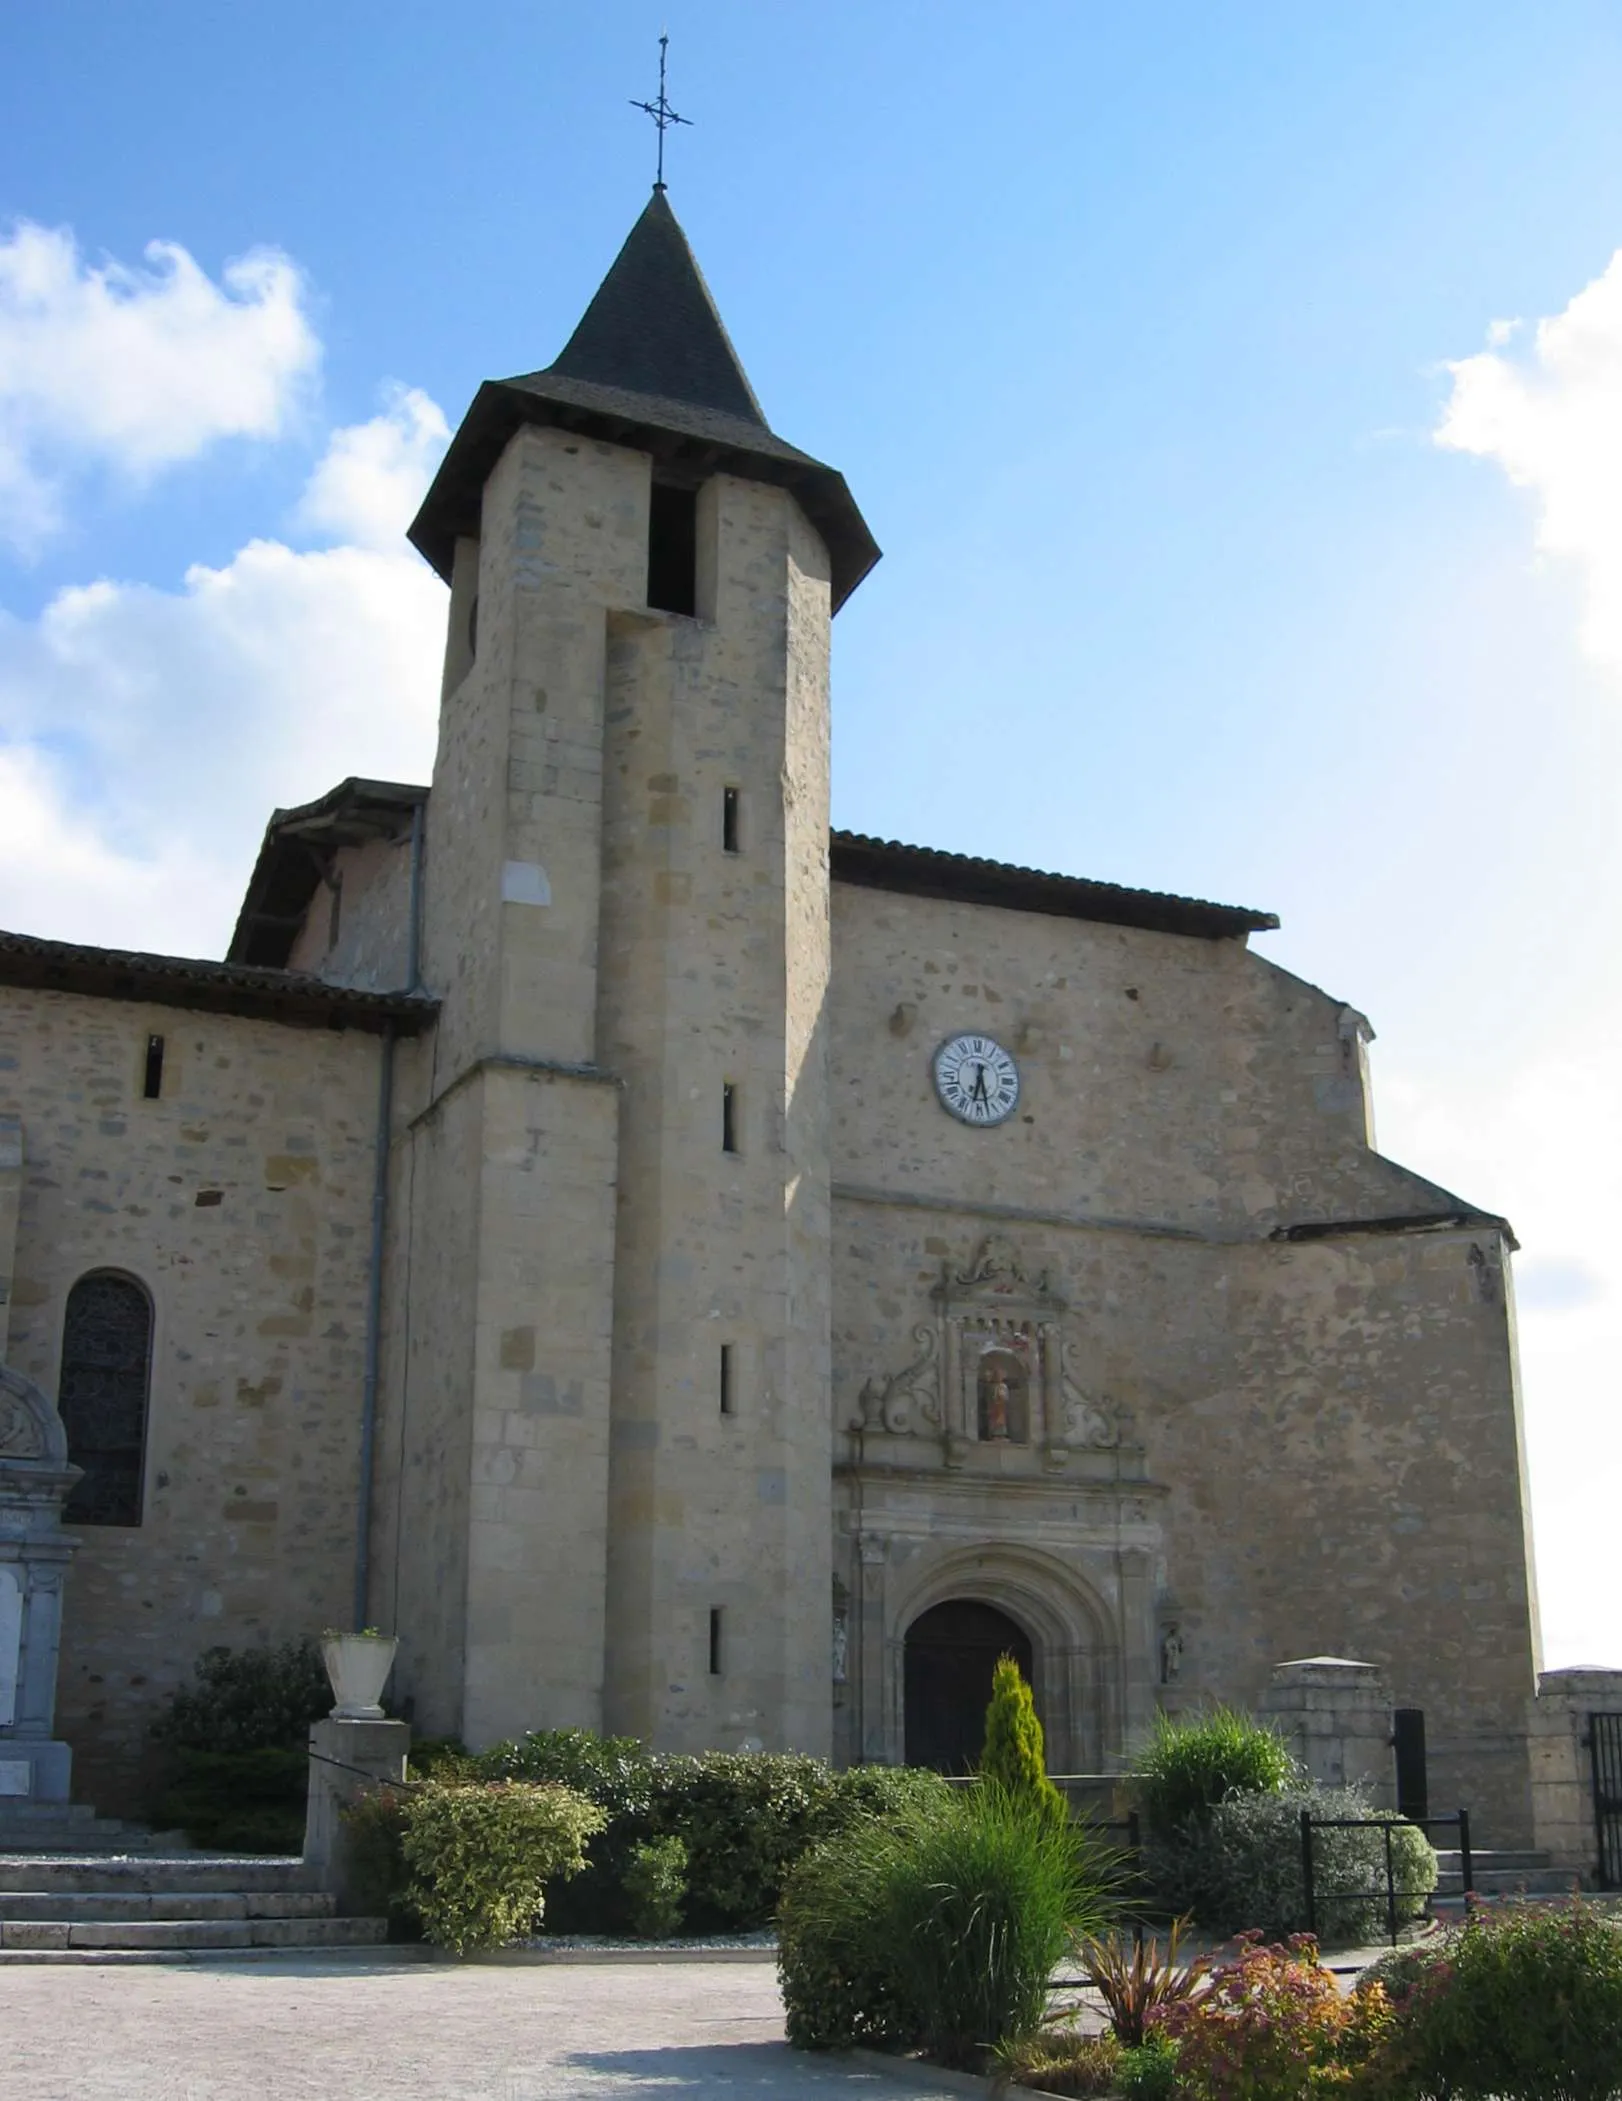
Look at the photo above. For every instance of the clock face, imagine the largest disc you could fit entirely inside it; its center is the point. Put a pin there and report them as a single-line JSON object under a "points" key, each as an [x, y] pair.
{"points": [[976, 1079]]}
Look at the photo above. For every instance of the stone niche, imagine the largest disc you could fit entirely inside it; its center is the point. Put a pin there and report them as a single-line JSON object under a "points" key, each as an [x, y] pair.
{"points": [[992, 1381], [35, 1477]]}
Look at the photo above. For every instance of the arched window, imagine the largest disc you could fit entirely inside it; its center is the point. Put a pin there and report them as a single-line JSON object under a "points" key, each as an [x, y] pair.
{"points": [[106, 1376]]}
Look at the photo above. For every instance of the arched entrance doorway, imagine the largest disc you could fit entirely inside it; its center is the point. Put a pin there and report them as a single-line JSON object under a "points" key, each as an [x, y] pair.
{"points": [[951, 1652]]}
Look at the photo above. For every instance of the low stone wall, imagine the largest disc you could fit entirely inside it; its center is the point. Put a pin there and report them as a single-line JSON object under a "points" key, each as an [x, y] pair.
{"points": [[1559, 1727]]}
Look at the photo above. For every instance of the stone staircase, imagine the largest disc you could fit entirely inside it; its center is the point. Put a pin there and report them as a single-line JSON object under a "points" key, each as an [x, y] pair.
{"points": [[1499, 1878], [176, 1906], [74, 1827]]}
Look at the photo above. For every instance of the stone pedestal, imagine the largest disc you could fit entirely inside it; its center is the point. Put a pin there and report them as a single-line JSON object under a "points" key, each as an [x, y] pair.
{"points": [[1562, 1765], [35, 1476], [345, 1759], [1335, 1715]]}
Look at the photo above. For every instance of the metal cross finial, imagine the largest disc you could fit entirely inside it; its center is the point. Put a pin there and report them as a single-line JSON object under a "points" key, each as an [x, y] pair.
{"points": [[661, 113]]}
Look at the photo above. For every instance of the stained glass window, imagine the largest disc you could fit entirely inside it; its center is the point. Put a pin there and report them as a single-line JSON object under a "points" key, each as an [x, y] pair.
{"points": [[106, 1374]]}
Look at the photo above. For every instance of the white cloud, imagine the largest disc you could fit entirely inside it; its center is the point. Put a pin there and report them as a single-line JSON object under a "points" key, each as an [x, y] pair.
{"points": [[135, 369], [371, 481], [1553, 422], [146, 734]]}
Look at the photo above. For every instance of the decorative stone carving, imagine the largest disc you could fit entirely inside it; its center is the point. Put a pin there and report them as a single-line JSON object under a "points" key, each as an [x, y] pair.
{"points": [[30, 1427], [1083, 1422], [994, 1370], [997, 1270], [20, 1434], [907, 1404]]}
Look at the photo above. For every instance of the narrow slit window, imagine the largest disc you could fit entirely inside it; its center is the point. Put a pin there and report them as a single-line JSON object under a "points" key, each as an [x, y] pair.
{"points": [[715, 1641], [728, 1392], [673, 549], [729, 1118], [729, 820], [152, 1082]]}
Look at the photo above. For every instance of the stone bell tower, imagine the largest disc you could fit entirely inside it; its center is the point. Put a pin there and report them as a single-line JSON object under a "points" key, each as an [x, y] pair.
{"points": [[626, 920]]}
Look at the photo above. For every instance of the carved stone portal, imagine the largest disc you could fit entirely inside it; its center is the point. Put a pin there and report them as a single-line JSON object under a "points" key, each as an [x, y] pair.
{"points": [[35, 1476], [995, 1367]]}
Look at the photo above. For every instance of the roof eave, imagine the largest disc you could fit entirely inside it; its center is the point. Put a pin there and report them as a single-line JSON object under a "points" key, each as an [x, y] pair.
{"points": [[451, 509], [921, 871], [289, 997]]}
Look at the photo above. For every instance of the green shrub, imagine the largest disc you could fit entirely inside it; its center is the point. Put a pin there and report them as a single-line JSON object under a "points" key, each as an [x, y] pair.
{"points": [[655, 1884], [258, 1699], [1191, 1763], [442, 1758], [835, 1952], [744, 1817], [1148, 2070], [1015, 1756], [236, 1801], [235, 1774], [1525, 2004], [1060, 2059], [480, 1856], [981, 1906], [940, 1928], [376, 1877], [1239, 1867]]}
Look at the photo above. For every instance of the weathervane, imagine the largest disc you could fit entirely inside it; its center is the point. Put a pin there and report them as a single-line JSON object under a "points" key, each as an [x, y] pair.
{"points": [[661, 113]]}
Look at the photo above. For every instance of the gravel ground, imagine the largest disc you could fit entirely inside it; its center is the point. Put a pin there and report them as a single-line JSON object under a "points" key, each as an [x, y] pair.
{"points": [[298, 2030]]}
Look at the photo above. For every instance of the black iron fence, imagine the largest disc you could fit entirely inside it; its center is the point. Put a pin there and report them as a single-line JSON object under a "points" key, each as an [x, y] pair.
{"points": [[1318, 1899]]}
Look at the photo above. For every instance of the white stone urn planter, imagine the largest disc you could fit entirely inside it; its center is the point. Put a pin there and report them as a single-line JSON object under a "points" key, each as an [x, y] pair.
{"points": [[358, 1665]]}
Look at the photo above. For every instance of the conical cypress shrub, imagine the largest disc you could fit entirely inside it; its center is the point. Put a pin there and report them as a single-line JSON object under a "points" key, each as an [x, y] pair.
{"points": [[1014, 1756]]}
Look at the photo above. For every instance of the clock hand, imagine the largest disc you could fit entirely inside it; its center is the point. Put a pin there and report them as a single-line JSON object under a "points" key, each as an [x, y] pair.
{"points": [[980, 1094]]}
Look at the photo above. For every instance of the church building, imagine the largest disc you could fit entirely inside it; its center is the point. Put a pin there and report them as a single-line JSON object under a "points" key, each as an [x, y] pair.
{"points": [[692, 1273]]}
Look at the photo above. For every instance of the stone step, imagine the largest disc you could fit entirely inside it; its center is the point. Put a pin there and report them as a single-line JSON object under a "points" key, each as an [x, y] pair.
{"points": [[1451, 1910], [95, 1835], [158, 1935], [1511, 1882], [368, 1956], [1448, 1859], [152, 1873], [111, 1906]]}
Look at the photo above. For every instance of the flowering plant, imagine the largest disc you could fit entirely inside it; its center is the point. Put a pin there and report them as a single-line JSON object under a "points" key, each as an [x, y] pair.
{"points": [[1271, 2025]]}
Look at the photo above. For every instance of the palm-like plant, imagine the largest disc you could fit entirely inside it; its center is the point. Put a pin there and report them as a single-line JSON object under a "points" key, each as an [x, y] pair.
{"points": [[1134, 1982]]}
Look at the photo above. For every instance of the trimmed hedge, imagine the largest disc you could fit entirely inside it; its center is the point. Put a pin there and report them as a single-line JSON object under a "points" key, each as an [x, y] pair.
{"points": [[745, 1818]]}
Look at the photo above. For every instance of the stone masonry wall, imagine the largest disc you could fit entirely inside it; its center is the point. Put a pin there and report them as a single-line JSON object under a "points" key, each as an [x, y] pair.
{"points": [[713, 974], [1333, 1424], [240, 1199]]}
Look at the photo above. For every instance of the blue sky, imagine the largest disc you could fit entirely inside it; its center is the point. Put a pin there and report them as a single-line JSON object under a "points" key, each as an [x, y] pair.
{"points": [[1228, 548]]}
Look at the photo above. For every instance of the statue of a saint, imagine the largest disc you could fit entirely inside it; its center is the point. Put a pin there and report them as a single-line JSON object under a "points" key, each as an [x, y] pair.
{"points": [[997, 1406], [1171, 1655]]}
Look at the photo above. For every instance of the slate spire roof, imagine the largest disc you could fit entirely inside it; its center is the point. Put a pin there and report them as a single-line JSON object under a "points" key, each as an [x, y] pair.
{"points": [[649, 365], [653, 328]]}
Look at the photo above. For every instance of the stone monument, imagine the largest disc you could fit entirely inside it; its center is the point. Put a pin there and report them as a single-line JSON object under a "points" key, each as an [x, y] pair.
{"points": [[35, 1476]]}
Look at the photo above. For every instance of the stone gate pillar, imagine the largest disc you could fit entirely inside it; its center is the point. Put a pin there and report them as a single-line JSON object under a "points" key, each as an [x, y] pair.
{"points": [[1336, 1717], [35, 1476], [1565, 1813]]}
